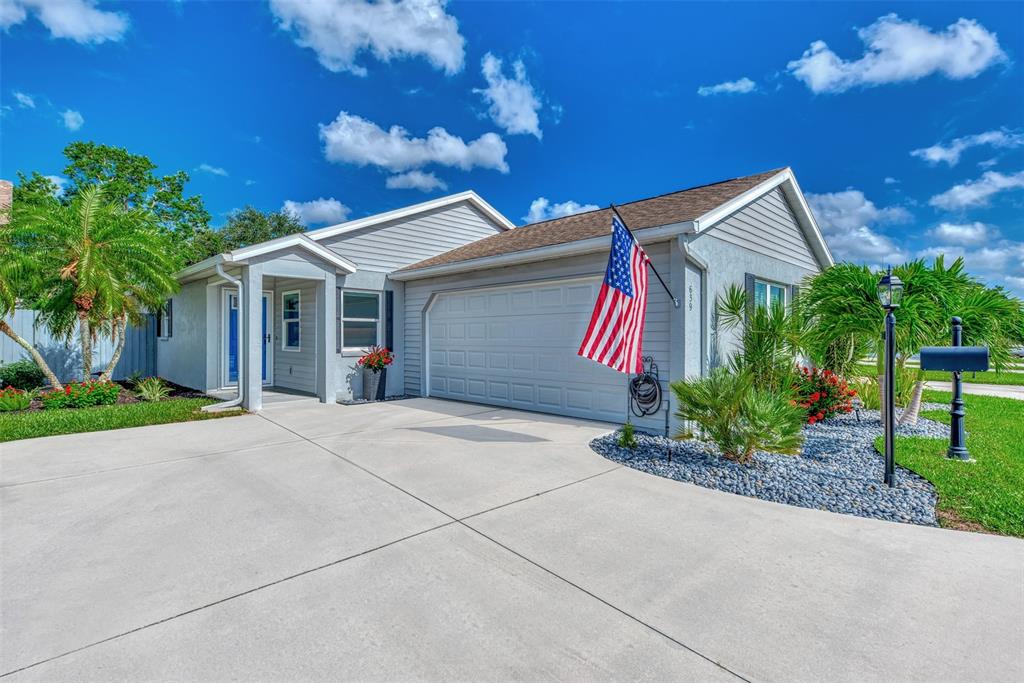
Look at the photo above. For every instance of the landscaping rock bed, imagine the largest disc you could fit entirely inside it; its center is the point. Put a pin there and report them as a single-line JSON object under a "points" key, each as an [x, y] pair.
{"points": [[361, 401], [839, 469]]}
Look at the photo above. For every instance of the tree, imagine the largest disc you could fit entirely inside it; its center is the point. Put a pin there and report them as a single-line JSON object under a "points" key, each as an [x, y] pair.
{"points": [[244, 227], [97, 266], [129, 179], [35, 189]]}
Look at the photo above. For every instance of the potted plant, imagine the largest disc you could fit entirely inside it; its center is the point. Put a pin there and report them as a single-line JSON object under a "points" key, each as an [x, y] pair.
{"points": [[373, 363]]}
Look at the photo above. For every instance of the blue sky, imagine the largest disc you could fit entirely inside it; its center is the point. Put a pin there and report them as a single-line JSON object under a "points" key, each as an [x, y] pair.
{"points": [[904, 123]]}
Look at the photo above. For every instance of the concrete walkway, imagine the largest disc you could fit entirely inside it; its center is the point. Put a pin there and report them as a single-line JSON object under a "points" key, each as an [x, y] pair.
{"points": [[434, 540], [1002, 390]]}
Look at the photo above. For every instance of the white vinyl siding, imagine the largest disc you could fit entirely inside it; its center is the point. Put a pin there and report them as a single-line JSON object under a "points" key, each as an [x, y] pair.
{"points": [[296, 369], [391, 246], [767, 226]]}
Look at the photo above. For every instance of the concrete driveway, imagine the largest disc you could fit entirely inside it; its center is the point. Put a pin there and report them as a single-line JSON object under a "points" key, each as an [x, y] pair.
{"points": [[424, 539]]}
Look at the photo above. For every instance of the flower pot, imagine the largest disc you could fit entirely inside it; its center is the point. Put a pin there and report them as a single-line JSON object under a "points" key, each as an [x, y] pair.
{"points": [[371, 380]]}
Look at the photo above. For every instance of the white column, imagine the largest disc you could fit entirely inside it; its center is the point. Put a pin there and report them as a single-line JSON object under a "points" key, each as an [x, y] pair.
{"points": [[326, 338], [252, 337]]}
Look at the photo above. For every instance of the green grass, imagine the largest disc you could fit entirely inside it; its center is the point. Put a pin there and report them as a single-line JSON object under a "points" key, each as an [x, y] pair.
{"points": [[989, 492], [29, 425], [987, 377]]}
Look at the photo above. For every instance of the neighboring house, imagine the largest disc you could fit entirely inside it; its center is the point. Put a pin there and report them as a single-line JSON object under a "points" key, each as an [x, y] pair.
{"points": [[478, 311]]}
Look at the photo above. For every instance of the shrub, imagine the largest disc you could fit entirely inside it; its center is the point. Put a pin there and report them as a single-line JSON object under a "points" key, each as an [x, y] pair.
{"points": [[822, 394], [21, 374], [82, 395], [627, 436], [866, 388], [738, 417], [12, 398], [152, 389]]}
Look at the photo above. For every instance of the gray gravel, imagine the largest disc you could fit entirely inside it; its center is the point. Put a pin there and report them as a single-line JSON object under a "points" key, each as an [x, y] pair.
{"points": [[838, 470]]}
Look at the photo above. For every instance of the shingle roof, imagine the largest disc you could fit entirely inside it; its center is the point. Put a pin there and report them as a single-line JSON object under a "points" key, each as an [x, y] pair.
{"points": [[674, 207]]}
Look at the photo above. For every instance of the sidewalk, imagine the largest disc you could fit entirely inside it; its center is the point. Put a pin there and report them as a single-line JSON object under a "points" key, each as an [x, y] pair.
{"points": [[1002, 390]]}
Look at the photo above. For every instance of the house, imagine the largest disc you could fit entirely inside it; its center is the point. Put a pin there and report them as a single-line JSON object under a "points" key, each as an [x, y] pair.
{"points": [[477, 310]]}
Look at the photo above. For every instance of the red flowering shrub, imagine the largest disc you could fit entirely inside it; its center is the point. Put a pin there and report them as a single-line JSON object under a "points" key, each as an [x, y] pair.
{"points": [[14, 399], [377, 359], [822, 393], [82, 395]]}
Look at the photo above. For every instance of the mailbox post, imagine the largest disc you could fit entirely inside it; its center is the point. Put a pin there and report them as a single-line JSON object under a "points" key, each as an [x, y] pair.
{"points": [[956, 359]]}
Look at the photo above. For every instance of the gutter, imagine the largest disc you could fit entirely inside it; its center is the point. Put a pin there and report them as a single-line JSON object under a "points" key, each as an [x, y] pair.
{"points": [[237, 400], [590, 245]]}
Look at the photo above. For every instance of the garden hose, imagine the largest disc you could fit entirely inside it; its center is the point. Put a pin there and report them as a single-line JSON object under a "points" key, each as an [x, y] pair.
{"points": [[645, 390]]}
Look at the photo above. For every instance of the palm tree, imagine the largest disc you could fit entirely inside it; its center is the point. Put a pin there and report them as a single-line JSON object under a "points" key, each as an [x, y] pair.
{"points": [[18, 277], [100, 266]]}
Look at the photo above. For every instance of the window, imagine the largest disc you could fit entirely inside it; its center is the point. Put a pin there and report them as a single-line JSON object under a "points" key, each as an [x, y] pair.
{"points": [[768, 291], [165, 320], [291, 313], [359, 320]]}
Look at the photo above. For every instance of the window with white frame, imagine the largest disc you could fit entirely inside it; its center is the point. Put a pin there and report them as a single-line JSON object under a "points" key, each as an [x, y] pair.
{"points": [[165, 320], [767, 293], [358, 320], [291, 316]]}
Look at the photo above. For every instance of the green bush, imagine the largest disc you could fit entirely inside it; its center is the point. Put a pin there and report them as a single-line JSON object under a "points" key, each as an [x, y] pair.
{"points": [[152, 389], [12, 398], [21, 374], [867, 390], [627, 436], [737, 416], [82, 395]]}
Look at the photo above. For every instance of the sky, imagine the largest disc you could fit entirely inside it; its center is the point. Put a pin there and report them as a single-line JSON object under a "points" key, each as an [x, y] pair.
{"points": [[904, 123]]}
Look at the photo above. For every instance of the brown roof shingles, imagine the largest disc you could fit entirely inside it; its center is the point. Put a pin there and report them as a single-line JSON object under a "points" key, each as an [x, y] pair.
{"points": [[675, 207]]}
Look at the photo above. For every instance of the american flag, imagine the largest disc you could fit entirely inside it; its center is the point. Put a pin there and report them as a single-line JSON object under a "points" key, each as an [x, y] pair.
{"points": [[616, 331]]}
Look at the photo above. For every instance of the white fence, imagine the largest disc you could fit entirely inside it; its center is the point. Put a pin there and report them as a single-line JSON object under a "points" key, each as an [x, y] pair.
{"points": [[139, 353]]}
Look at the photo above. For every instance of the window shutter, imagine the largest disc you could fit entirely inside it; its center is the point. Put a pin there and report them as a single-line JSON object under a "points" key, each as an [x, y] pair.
{"points": [[337, 320], [748, 286], [159, 324], [170, 317], [389, 320], [794, 292]]}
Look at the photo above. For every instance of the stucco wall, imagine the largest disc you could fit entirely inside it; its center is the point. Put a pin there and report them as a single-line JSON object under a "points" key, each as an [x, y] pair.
{"points": [[180, 357]]}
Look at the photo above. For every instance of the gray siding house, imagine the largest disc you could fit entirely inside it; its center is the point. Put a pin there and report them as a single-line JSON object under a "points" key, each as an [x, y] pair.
{"points": [[477, 310]]}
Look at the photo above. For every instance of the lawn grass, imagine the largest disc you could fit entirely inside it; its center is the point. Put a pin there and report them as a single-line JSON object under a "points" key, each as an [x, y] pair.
{"points": [[28, 425], [987, 494], [987, 377]]}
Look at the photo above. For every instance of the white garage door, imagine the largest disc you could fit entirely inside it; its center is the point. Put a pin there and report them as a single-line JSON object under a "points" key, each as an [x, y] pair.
{"points": [[516, 346]]}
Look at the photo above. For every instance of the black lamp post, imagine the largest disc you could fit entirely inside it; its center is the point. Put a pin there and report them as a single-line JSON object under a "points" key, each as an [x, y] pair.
{"points": [[890, 294]]}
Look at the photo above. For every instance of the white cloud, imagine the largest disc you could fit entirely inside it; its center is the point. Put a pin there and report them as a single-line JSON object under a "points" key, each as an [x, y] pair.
{"points": [[998, 263], [512, 102], [897, 51], [354, 140], [950, 154], [77, 20], [977, 192], [416, 180], [543, 210], [24, 101], [987, 163], [848, 221], [965, 234], [339, 30], [317, 211], [741, 86], [72, 119], [60, 181], [889, 180], [212, 170], [249, 182]]}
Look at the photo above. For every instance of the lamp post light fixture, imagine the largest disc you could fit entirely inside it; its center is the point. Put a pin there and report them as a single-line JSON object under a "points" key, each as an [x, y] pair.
{"points": [[890, 295]]}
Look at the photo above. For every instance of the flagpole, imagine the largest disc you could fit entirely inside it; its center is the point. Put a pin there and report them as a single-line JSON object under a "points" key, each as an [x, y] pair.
{"points": [[675, 301]]}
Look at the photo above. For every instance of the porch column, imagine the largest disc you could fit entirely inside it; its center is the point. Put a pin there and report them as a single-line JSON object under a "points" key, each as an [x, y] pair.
{"points": [[251, 318], [326, 336]]}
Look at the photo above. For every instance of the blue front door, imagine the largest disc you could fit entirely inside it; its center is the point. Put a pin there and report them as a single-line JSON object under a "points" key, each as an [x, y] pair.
{"points": [[233, 338]]}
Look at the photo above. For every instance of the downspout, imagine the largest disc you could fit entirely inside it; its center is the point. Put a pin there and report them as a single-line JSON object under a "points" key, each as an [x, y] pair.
{"points": [[237, 400]]}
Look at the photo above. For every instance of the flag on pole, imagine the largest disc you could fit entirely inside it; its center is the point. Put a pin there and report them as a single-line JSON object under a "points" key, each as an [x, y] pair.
{"points": [[615, 335]]}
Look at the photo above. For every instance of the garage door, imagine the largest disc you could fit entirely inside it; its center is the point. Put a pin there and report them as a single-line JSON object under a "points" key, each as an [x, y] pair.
{"points": [[516, 347]]}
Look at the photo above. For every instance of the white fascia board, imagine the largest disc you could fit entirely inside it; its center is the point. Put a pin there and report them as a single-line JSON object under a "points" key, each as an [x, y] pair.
{"points": [[406, 211], [299, 241], [592, 244], [197, 270], [787, 182]]}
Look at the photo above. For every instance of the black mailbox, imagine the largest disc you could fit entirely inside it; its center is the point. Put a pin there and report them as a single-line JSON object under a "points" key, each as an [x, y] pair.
{"points": [[954, 358]]}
